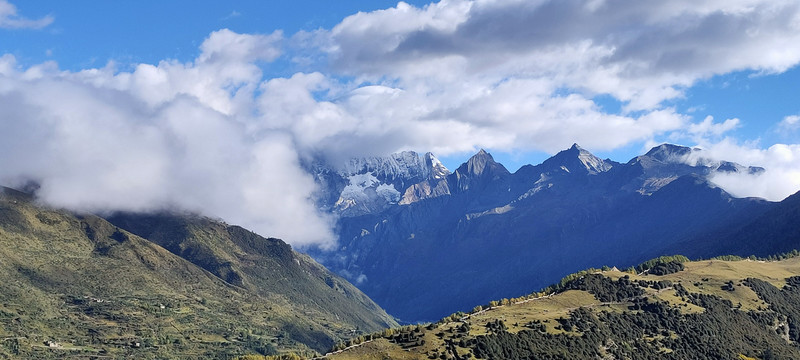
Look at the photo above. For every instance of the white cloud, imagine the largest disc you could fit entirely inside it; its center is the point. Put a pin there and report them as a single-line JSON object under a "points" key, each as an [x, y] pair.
{"points": [[710, 128], [514, 75], [161, 136], [781, 161], [9, 19], [640, 53], [233, 14], [521, 75], [789, 123]]}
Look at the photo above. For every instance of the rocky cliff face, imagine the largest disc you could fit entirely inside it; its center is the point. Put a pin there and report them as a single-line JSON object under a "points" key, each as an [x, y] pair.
{"points": [[372, 184]]}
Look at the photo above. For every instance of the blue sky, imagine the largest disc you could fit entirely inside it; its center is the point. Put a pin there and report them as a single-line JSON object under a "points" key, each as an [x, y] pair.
{"points": [[91, 34], [187, 90]]}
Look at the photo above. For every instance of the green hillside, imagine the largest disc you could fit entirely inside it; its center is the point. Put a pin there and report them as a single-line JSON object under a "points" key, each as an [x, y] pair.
{"points": [[262, 266], [76, 286], [711, 309]]}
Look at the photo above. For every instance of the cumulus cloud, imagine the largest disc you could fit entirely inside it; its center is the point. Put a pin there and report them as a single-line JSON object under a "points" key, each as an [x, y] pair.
{"points": [[640, 53], [710, 128], [9, 19], [170, 135], [781, 162], [522, 75]]}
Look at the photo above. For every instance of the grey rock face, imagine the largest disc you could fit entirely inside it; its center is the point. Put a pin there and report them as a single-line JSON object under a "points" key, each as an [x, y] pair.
{"points": [[373, 184]]}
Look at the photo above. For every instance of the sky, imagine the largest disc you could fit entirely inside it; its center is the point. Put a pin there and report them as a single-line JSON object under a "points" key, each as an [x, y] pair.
{"points": [[212, 106]]}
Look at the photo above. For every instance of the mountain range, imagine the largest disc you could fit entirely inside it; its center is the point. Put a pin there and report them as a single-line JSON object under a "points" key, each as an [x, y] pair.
{"points": [[423, 241], [420, 240]]}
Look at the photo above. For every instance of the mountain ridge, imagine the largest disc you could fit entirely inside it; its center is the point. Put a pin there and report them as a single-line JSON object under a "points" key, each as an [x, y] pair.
{"points": [[573, 210], [372, 184]]}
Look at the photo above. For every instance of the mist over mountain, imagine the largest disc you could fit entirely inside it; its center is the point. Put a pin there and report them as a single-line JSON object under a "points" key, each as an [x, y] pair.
{"points": [[424, 246]]}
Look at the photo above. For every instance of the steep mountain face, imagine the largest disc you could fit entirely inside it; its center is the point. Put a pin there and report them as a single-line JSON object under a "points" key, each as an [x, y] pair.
{"points": [[373, 184], [775, 231], [482, 232], [478, 172], [79, 286]]}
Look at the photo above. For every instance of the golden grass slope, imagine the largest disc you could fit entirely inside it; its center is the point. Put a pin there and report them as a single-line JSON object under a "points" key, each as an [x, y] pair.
{"points": [[702, 277]]}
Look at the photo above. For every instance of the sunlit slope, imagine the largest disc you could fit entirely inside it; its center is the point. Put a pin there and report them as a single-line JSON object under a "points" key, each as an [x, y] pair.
{"points": [[77, 286], [711, 309]]}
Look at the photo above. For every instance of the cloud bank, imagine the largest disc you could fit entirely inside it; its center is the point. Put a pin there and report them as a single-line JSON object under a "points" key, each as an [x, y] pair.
{"points": [[781, 178], [170, 135], [532, 75], [216, 136]]}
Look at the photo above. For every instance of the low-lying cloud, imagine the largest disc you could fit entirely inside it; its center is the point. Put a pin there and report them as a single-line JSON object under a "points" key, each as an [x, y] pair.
{"points": [[780, 179]]}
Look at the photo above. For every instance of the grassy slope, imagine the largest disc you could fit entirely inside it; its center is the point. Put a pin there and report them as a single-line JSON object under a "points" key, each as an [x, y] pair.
{"points": [[98, 290], [245, 259], [701, 277]]}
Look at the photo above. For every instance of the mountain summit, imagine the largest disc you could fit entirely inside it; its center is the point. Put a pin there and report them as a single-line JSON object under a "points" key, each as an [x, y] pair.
{"points": [[577, 159], [669, 153], [479, 163], [435, 169], [369, 185], [478, 171]]}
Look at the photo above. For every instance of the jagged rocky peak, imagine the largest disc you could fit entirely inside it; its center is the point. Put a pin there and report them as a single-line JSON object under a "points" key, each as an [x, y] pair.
{"points": [[435, 184], [482, 163], [401, 164], [731, 167], [577, 159], [372, 184], [436, 170]]}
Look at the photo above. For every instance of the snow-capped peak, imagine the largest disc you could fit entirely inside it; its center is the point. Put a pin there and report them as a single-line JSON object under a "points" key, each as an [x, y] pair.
{"points": [[371, 184], [403, 164], [435, 168]]}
